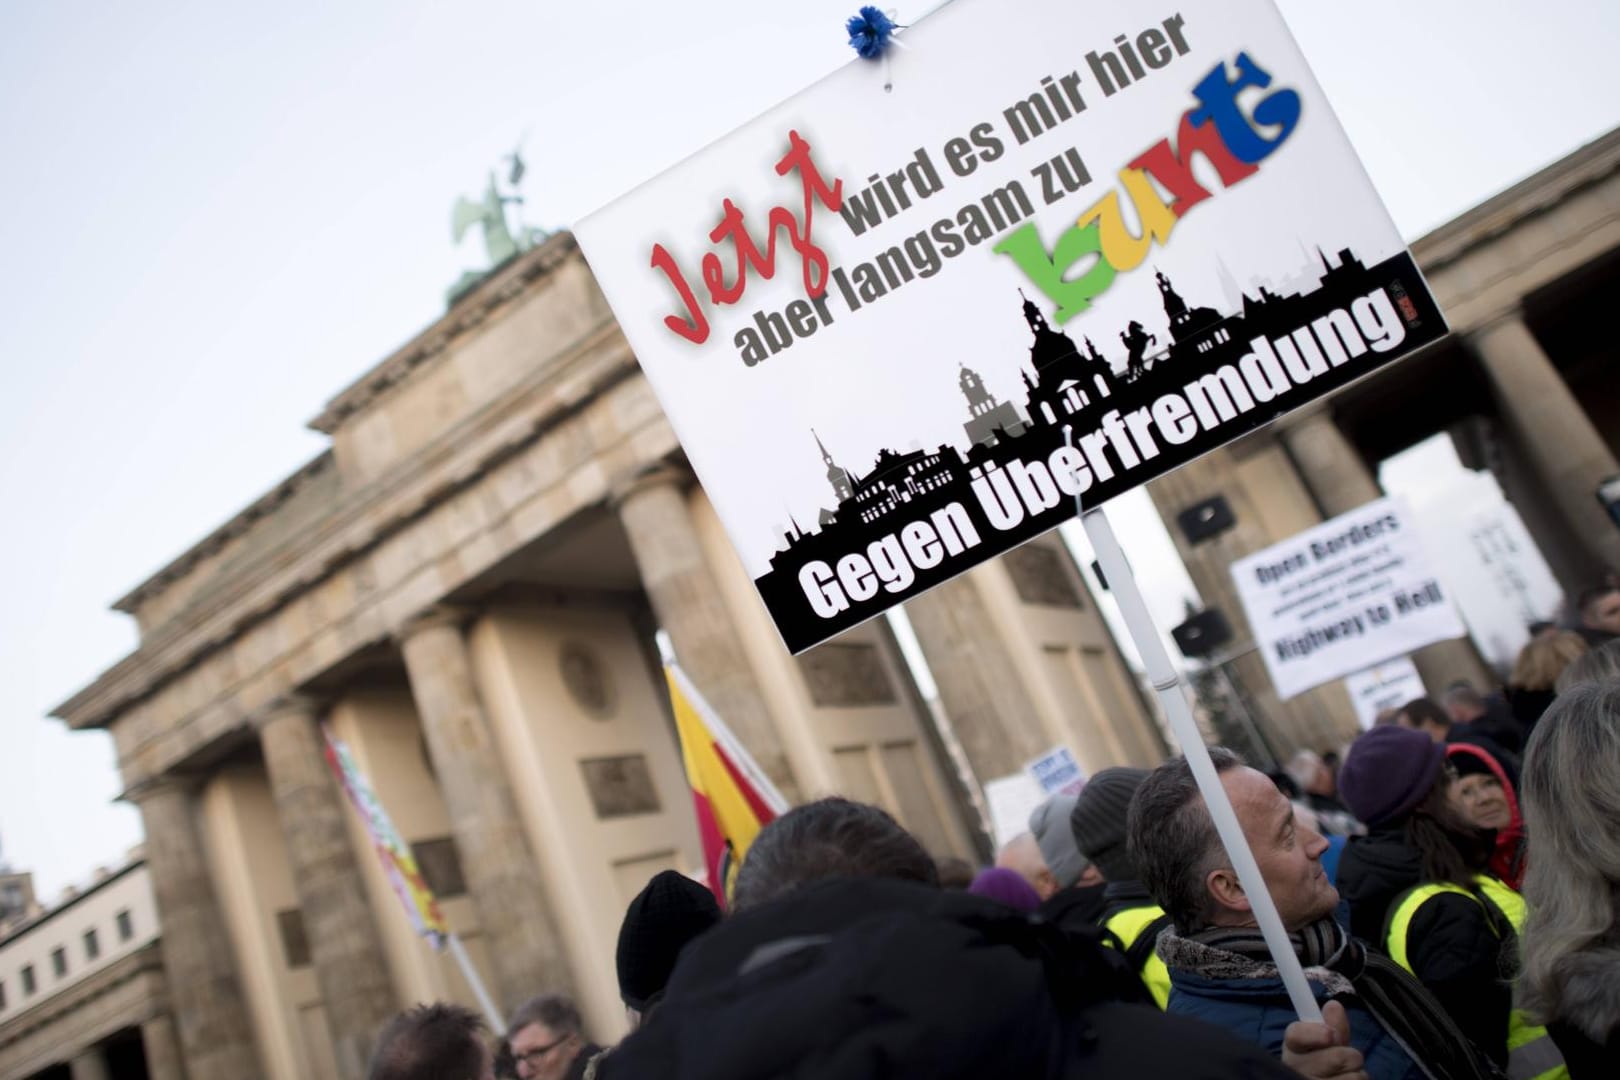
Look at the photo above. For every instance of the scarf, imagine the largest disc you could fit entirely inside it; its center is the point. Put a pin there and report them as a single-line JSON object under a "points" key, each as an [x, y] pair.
{"points": [[1345, 968]]}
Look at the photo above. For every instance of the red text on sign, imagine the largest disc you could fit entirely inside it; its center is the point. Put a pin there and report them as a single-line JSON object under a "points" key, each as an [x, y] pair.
{"points": [[694, 326]]}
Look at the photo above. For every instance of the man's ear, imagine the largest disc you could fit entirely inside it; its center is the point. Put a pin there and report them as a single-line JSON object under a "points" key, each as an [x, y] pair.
{"points": [[1225, 889]]}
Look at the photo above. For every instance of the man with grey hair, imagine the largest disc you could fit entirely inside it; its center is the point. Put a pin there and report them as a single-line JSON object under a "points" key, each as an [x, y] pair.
{"points": [[547, 1040], [1220, 968]]}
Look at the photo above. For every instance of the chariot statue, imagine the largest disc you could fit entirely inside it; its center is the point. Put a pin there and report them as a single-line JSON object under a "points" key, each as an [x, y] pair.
{"points": [[501, 241]]}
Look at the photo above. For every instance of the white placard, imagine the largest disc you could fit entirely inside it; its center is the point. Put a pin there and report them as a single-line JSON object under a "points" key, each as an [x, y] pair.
{"points": [[1011, 800], [1335, 599], [1387, 686], [874, 319]]}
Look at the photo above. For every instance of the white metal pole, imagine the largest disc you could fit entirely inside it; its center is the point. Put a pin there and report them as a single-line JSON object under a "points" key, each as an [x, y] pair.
{"points": [[1167, 684], [470, 973]]}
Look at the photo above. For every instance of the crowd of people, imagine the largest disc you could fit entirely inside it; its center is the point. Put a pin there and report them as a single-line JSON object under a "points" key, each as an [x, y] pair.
{"points": [[1450, 884]]}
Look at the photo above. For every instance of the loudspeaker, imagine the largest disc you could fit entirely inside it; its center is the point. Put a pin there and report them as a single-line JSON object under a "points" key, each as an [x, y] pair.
{"points": [[1203, 634], [1205, 520]]}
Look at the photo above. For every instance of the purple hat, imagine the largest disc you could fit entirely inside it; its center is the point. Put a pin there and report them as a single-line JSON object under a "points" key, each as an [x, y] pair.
{"points": [[1007, 886], [1388, 771]]}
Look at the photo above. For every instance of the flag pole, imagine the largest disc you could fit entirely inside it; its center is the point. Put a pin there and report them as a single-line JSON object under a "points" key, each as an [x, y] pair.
{"points": [[1167, 685], [399, 866], [497, 1025]]}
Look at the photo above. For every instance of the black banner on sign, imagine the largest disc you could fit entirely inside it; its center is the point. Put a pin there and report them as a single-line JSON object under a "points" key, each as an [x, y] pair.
{"points": [[1195, 379]]}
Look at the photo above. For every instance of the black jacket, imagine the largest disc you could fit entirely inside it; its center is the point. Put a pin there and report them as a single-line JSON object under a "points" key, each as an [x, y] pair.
{"points": [[1452, 945], [1074, 908], [856, 980], [582, 1060], [1501, 724], [1584, 1058], [1587, 1027], [1528, 705]]}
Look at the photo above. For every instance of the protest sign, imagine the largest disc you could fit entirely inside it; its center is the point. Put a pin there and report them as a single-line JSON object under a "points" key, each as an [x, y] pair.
{"points": [[1057, 772], [1343, 596], [1011, 800], [871, 316], [1387, 686]]}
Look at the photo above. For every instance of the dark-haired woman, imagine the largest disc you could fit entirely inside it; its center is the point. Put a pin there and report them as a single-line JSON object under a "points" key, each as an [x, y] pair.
{"points": [[1420, 889]]}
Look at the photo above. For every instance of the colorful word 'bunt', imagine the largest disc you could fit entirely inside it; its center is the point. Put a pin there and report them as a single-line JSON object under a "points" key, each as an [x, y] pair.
{"points": [[1234, 144], [694, 327]]}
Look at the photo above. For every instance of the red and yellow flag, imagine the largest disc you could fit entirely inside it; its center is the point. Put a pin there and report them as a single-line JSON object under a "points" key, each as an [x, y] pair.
{"points": [[733, 797]]}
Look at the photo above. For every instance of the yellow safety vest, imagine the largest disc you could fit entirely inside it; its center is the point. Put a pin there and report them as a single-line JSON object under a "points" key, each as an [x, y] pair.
{"points": [[1532, 1055], [1127, 925]]}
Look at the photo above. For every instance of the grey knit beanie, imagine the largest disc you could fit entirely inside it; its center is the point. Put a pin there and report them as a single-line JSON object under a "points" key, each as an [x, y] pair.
{"points": [[1098, 820], [1049, 822]]}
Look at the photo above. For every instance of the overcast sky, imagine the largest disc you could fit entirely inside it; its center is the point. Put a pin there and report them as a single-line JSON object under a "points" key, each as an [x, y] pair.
{"points": [[216, 216]]}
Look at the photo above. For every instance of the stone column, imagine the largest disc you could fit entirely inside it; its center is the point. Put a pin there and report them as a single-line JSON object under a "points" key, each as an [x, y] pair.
{"points": [[343, 939], [1554, 432], [687, 600], [1331, 466], [502, 874], [216, 1033], [1340, 481], [991, 711], [1316, 719], [161, 1049], [89, 1065]]}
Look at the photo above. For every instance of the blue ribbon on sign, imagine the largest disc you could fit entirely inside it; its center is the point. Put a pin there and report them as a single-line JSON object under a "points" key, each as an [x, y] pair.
{"points": [[871, 33]]}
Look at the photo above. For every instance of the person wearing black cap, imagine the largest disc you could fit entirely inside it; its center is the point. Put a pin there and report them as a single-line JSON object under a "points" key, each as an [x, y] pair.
{"points": [[1419, 890], [665, 917], [1129, 911]]}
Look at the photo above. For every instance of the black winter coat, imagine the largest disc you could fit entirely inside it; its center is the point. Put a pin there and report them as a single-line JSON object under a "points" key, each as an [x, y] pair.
{"points": [[1074, 908], [857, 980], [1453, 949], [1584, 1058]]}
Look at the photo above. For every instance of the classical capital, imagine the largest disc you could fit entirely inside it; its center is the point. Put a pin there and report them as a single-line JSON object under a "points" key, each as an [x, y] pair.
{"points": [[293, 704], [1512, 313], [157, 786], [1304, 416], [658, 474], [430, 618]]}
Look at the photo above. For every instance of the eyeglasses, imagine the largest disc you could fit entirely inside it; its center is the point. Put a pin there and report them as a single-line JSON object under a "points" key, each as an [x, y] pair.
{"points": [[531, 1058]]}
